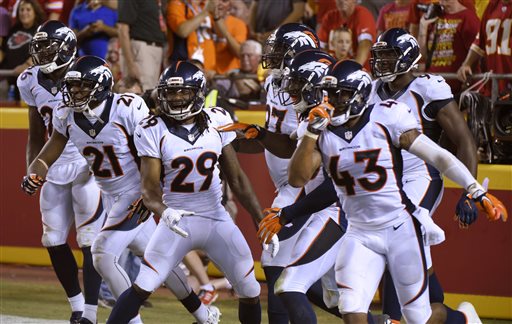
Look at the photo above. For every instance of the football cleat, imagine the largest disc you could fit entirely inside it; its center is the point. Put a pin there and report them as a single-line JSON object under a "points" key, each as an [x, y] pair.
{"points": [[84, 320], [75, 317], [213, 315], [469, 311]]}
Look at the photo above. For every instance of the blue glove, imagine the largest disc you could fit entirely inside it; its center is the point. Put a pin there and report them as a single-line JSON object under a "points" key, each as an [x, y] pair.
{"points": [[466, 211]]}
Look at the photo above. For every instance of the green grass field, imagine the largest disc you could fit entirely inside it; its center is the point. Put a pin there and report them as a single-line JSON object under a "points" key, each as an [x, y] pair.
{"points": [[35, 293]]}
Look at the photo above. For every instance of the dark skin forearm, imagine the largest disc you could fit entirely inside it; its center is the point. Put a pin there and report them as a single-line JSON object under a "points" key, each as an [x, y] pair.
{"points": [[239, 183], [36, 135], [457, 131], [281, 145], [151, 189]]}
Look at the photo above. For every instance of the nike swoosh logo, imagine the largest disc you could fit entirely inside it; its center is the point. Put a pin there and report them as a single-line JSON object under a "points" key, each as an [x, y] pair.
{"points": [[397, 227], [138, 135], [440, 81]]}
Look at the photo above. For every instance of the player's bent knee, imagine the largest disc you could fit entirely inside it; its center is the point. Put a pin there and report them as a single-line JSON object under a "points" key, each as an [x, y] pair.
{"points": [[414, 314], [350, 302], [143, 294], [53, 238], [85, 238], [247, 288]]}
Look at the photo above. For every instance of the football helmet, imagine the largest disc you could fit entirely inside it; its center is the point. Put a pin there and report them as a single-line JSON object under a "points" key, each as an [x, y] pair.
{"points": [[286, 41], [301, 77], [181, 90], [88, 80], [348, 89], [395, 52], [53, 46]]}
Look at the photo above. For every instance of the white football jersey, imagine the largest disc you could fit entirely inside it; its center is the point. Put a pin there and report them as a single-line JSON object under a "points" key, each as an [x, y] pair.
{"points": [[190, 159], [108, 147], [365, 164], [282, 120], [426, 95], [40, 92]]}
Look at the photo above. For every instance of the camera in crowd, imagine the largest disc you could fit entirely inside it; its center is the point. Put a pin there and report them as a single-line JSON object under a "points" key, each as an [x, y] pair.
{"points": [[432, 10]]}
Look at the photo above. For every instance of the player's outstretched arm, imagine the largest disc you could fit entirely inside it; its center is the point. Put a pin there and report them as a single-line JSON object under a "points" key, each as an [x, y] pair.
{"points": [[424, 148], [239, 183]]}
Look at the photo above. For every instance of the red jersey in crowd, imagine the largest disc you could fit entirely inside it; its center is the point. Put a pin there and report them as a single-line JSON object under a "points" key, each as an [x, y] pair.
{"points": [[493, 40]]}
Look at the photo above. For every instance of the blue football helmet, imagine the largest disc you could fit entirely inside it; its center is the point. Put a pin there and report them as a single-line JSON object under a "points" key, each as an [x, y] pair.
{"points": [[300, 79], [395, 52], [181, 90], [286, 41], [348, 88], [88, 80], [53, 46]]}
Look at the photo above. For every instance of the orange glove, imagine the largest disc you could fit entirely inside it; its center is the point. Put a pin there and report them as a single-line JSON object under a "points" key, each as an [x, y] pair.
{"points": [[138, 209], [249, 131], [269, 225], [492, 207], [319, 117]]}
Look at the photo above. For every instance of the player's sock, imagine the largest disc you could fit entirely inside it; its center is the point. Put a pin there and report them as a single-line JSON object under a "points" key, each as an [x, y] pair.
{"points": [[208, 287], [92, 279], [191, 302], [249, 313], [454, 316], [299, 308], [277, 313], [77, 303], [65, 267], [90, 312], [126, 307], [435, 291], [390, 303], [315, 295]]}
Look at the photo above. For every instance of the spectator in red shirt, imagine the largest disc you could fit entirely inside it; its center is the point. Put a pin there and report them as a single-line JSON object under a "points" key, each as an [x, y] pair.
{"points": [[393, 15], [418, 7], [444, 41], [493, 42], [356, 18]]}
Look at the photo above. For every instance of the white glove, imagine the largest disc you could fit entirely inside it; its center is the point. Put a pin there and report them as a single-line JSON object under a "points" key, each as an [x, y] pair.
{"points": [[274, 245], [171, 217]]}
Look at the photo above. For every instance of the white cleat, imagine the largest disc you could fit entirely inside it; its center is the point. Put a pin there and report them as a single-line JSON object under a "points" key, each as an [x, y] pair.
{"points": [[213, 315], [469, 310]]}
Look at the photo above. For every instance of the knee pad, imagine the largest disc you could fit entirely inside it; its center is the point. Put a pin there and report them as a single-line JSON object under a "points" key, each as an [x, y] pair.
{"points": [[177, 283], [52, 237], [248, 287], [350, 302], [113, 274]]}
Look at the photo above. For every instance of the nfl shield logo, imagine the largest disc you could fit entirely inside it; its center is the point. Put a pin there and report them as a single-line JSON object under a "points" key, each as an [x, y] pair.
{"points": [[92, 132], [348, 135], [54, 90], [191, 137]]}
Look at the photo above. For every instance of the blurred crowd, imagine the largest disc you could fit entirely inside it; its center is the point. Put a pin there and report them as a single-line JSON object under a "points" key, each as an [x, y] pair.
{"points": [[226, 38]]}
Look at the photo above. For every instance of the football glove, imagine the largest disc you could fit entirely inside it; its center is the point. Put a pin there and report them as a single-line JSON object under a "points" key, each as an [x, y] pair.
{"points": [[171, 217], [489, 204], [273, 246], [269, 225], [139, 210], [248, 131], [319, 118], [32, 183], [466, 211]]}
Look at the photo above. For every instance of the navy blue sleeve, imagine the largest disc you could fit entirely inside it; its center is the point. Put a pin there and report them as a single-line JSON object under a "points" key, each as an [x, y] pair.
{"points": [[434, 107], [322, 197]]}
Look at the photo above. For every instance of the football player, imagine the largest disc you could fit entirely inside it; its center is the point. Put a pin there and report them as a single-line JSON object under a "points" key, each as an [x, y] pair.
{"points": [[314, 251], [359, 145], [281, 121], [394, 57], [181, 153], [69, 194], [101, 125]]}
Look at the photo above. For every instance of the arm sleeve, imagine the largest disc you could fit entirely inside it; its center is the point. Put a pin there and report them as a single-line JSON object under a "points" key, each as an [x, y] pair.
{"points": [[322, 197], [441, 159]]}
